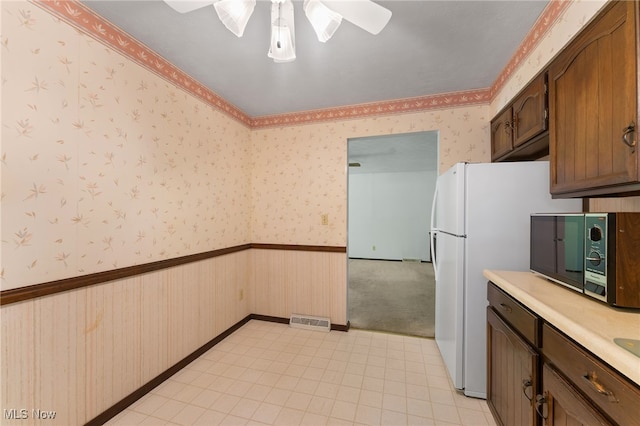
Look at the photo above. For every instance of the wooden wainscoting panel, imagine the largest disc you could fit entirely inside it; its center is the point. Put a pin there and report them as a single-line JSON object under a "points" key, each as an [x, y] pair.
{"points": [[338, 276], [268, 283], [225, 294], [60, 337], [181, 286], [112, 332], [230, 275], [18, 347], [154, 324], [81, 351], [304, 282]]}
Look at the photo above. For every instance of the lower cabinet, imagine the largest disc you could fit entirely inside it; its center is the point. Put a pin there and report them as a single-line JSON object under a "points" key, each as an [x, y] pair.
{"points": [[512, 381], [537, 375]]}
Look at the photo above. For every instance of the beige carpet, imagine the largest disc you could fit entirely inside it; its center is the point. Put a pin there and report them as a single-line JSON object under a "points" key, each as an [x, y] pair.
{"points": [[392, 296]]}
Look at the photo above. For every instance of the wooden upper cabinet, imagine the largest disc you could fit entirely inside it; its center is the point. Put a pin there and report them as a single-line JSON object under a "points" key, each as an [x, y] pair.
{"points": [[501, 134], [530, 112], [592, 103], [519, 131]]}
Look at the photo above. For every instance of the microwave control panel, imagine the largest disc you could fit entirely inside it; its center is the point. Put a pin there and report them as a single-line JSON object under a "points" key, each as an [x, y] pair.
{"points": [[595, 250]]}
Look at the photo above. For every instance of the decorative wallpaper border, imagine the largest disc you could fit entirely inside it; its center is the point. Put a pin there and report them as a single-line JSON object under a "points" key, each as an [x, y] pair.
{"points": [[545, 21], [400, 106], [84, 19]]}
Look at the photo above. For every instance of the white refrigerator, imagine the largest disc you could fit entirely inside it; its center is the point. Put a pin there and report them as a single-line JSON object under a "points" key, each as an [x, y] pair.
{"points": [[481, 220]]}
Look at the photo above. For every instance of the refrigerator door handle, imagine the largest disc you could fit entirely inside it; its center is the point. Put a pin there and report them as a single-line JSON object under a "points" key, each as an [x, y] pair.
{"points": [[433, 254], [434, 232]]}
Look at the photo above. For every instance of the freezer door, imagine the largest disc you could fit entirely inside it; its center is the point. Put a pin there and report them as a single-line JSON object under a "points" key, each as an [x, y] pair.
{"points": [[449, 201], [449, 315]]}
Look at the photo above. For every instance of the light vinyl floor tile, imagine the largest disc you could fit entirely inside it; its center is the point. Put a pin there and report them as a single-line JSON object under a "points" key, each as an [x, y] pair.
{"points": [[270, 374]]}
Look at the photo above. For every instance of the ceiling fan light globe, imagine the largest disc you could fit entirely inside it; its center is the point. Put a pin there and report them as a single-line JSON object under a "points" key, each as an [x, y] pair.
{"points": [[283, 43], [366, 14], [282, 48], [235, 14], [324, 21], [185, 6]]}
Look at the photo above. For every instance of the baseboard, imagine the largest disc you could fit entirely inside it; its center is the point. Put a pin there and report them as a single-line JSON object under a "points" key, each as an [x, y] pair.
{"points": [[340, 327], [268, 318], [121, 405], [388, 260]]}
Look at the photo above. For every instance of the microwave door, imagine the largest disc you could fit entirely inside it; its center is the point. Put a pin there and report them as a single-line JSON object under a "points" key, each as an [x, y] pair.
{"points": [[572, 247], [569, 251], [544, 240], [557, 248]]}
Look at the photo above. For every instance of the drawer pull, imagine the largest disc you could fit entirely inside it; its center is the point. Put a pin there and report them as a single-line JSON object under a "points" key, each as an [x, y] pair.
{"points": [[592, 378], [506, 308], [541, 406], [526, 384]]}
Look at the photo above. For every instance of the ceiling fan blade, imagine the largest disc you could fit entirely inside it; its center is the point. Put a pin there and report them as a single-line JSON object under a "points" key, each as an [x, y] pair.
{"points": [[366, 14], [184, 6]]}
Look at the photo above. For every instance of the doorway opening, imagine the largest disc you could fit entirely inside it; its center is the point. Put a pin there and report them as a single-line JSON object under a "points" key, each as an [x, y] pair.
{"points": [[391, 182]]}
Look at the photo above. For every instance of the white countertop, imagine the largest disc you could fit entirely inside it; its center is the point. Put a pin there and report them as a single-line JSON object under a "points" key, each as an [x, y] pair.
{"points": [[592, 324]]}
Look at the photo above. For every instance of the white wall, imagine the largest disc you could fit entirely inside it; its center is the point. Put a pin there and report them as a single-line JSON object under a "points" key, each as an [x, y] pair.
{"points": [[390, 215]]}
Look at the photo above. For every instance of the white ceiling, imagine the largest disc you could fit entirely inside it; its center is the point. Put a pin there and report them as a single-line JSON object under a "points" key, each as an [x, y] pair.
{"points": [[428, 47]]}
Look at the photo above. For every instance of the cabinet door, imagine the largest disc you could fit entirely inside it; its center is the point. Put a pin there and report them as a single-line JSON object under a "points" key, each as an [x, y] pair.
{"points": [[530, 112], [562, 405], [592, 99], [501, 134], [511, 374]]}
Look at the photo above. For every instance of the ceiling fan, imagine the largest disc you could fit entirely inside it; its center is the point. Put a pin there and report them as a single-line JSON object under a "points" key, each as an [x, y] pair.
{"points": [[324, 15]]}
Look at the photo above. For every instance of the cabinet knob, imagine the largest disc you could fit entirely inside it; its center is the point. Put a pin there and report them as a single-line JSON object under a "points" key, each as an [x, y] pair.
{"points": [[526, 385], [627, 135], [541, 406]]}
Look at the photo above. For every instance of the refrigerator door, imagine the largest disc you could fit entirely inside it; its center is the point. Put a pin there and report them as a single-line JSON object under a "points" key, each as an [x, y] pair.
{"points": [[448, 230], [449, 310]]}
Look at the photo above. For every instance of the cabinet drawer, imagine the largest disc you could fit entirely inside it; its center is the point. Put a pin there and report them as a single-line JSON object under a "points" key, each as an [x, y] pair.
{"points": [[612, 394], [526, 323], [565, 406]]}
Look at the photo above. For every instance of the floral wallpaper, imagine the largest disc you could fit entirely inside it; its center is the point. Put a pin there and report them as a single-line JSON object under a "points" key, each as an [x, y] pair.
{"points": [[300, 172], [107, 165], [110, 157], [104, 164]]}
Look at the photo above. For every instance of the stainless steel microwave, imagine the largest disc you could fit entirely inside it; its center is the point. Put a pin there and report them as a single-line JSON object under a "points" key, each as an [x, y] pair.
{"points": [[597, 254]]}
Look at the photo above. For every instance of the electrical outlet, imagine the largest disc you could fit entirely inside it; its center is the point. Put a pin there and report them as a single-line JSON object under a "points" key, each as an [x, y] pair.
{"points": [[325, 219], [241, 294]]}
